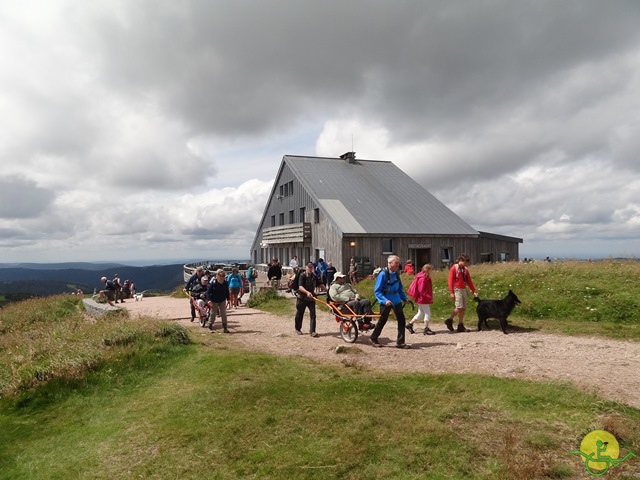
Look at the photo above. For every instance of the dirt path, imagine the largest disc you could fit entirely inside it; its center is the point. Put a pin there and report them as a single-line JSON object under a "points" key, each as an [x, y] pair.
{"points": [[608, 368]]}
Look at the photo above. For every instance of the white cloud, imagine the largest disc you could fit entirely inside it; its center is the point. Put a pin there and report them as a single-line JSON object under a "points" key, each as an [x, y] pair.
{"points": [[154, 129]]}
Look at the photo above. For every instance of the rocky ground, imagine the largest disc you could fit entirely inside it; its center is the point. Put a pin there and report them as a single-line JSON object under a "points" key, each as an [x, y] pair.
{"points": [[608, 368]]}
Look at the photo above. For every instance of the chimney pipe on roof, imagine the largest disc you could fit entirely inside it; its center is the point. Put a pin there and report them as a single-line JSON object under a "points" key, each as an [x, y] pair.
{"points": [[350, 157]]}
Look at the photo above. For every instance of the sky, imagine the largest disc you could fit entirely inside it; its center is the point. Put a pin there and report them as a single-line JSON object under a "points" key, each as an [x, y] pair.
{"points": [[152, 130]]}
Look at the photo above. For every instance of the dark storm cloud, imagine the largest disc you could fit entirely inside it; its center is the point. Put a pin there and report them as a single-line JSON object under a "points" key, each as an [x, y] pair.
{"points": [[21, 198], [512, 112], [427, 68]]}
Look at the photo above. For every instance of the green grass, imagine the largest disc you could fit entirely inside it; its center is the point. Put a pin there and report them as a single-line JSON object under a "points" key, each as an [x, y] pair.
{"points": [[212, 412]]}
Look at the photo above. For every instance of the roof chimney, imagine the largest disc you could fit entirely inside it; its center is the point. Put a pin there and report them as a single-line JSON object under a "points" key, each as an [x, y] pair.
{"points": [[350, 157]]}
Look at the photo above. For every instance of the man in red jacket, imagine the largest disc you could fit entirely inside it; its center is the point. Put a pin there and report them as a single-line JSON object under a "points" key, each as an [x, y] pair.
{"points": [[459, 278]]}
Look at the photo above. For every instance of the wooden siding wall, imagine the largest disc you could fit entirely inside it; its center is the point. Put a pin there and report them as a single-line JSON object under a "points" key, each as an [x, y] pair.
{"points": [[371, 247], [277, 206]]}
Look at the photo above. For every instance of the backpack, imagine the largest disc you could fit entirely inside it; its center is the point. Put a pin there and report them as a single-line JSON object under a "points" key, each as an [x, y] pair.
{"points": [[413, 289], [292, 283], [387, 276], [254, 273]]}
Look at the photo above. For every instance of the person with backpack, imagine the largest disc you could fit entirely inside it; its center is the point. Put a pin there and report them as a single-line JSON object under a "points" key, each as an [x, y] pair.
{"points": [[459, 278], [193, 280], [391, 296], [421, 290], [252, 274], [292, 281], [307, 283], [235, 284], [109, 292]]}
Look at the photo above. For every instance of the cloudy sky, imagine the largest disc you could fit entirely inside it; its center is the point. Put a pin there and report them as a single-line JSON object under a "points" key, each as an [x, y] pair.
{"points": [[153, 130]]}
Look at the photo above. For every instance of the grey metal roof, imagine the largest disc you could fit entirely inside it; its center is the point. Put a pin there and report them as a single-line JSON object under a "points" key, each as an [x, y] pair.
{"points": [[374, 197]]}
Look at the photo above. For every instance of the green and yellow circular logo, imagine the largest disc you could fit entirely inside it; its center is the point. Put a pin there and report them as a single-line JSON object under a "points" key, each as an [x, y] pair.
{"points": [[600, 451]]}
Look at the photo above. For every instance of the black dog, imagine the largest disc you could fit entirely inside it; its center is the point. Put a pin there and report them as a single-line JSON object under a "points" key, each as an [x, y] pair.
{"points": [[499, 309]]}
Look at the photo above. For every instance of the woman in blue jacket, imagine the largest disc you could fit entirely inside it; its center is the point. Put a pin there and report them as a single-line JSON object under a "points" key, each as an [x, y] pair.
{"points": [[235, 284]]}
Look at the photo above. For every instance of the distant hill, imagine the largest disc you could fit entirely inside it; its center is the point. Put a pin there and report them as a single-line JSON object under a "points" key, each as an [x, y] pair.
{"points": [[50, 279], [61, 266]]}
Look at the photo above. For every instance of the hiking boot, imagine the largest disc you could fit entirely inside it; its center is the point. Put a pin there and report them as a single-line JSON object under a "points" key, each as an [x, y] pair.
{"points": [[404, 346], [375, 343], [298, 332], [449, 323], [409, 327], [226, 330], [462, 328], [193, 319], [210, 325], [314, 334], [428, 331]]}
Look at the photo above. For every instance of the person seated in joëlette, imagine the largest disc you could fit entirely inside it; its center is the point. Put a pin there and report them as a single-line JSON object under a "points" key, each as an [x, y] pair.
{"points": [[341, 291]]}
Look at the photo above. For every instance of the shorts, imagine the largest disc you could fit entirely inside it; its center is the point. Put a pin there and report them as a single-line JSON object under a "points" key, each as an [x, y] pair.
{"points": [[234, 290], [110, 294], [461, 298]]}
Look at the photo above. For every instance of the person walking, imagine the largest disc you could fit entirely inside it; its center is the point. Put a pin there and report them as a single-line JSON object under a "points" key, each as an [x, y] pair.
{"points": [[307, 283], [391, 296], [252, 274], [274, 274], [235, 285], [331, 271], [424, 298], [459, 279], [193, 280], [218, 295], [409, 269]]}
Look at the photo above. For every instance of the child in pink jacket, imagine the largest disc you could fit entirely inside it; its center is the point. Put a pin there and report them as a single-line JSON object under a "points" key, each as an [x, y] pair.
{"points": [[423, 298]]}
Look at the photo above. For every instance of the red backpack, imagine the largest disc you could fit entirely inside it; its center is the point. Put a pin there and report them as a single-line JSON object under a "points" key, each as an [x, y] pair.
{"points": [[413, 289]]}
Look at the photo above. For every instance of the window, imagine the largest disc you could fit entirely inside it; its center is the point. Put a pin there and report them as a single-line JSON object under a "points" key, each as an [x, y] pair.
{"points": [[447, 255], [291, 187], [316, 215], [273, 220], [281, 190], [504, 256], [486, 258], [286, 189], [281, 218], [301, 214], [291, 217], [387, 246]]}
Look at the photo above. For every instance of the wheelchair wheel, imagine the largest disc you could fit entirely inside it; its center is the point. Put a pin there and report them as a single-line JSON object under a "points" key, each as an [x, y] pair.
{"points": [[349, 331], [204, 317]]}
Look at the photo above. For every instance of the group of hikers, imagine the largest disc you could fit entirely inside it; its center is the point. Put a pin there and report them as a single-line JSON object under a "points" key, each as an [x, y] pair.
{"points": [[219, 291], [223, 291], [116, 289], [391, 296]]}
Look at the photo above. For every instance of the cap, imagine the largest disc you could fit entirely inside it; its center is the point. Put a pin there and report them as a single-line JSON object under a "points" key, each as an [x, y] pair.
{"points": [[339, 275], [310, 264]]}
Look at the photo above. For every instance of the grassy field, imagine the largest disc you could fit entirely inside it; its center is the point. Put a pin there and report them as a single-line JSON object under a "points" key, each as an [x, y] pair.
{"points": [[117, 398]]}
